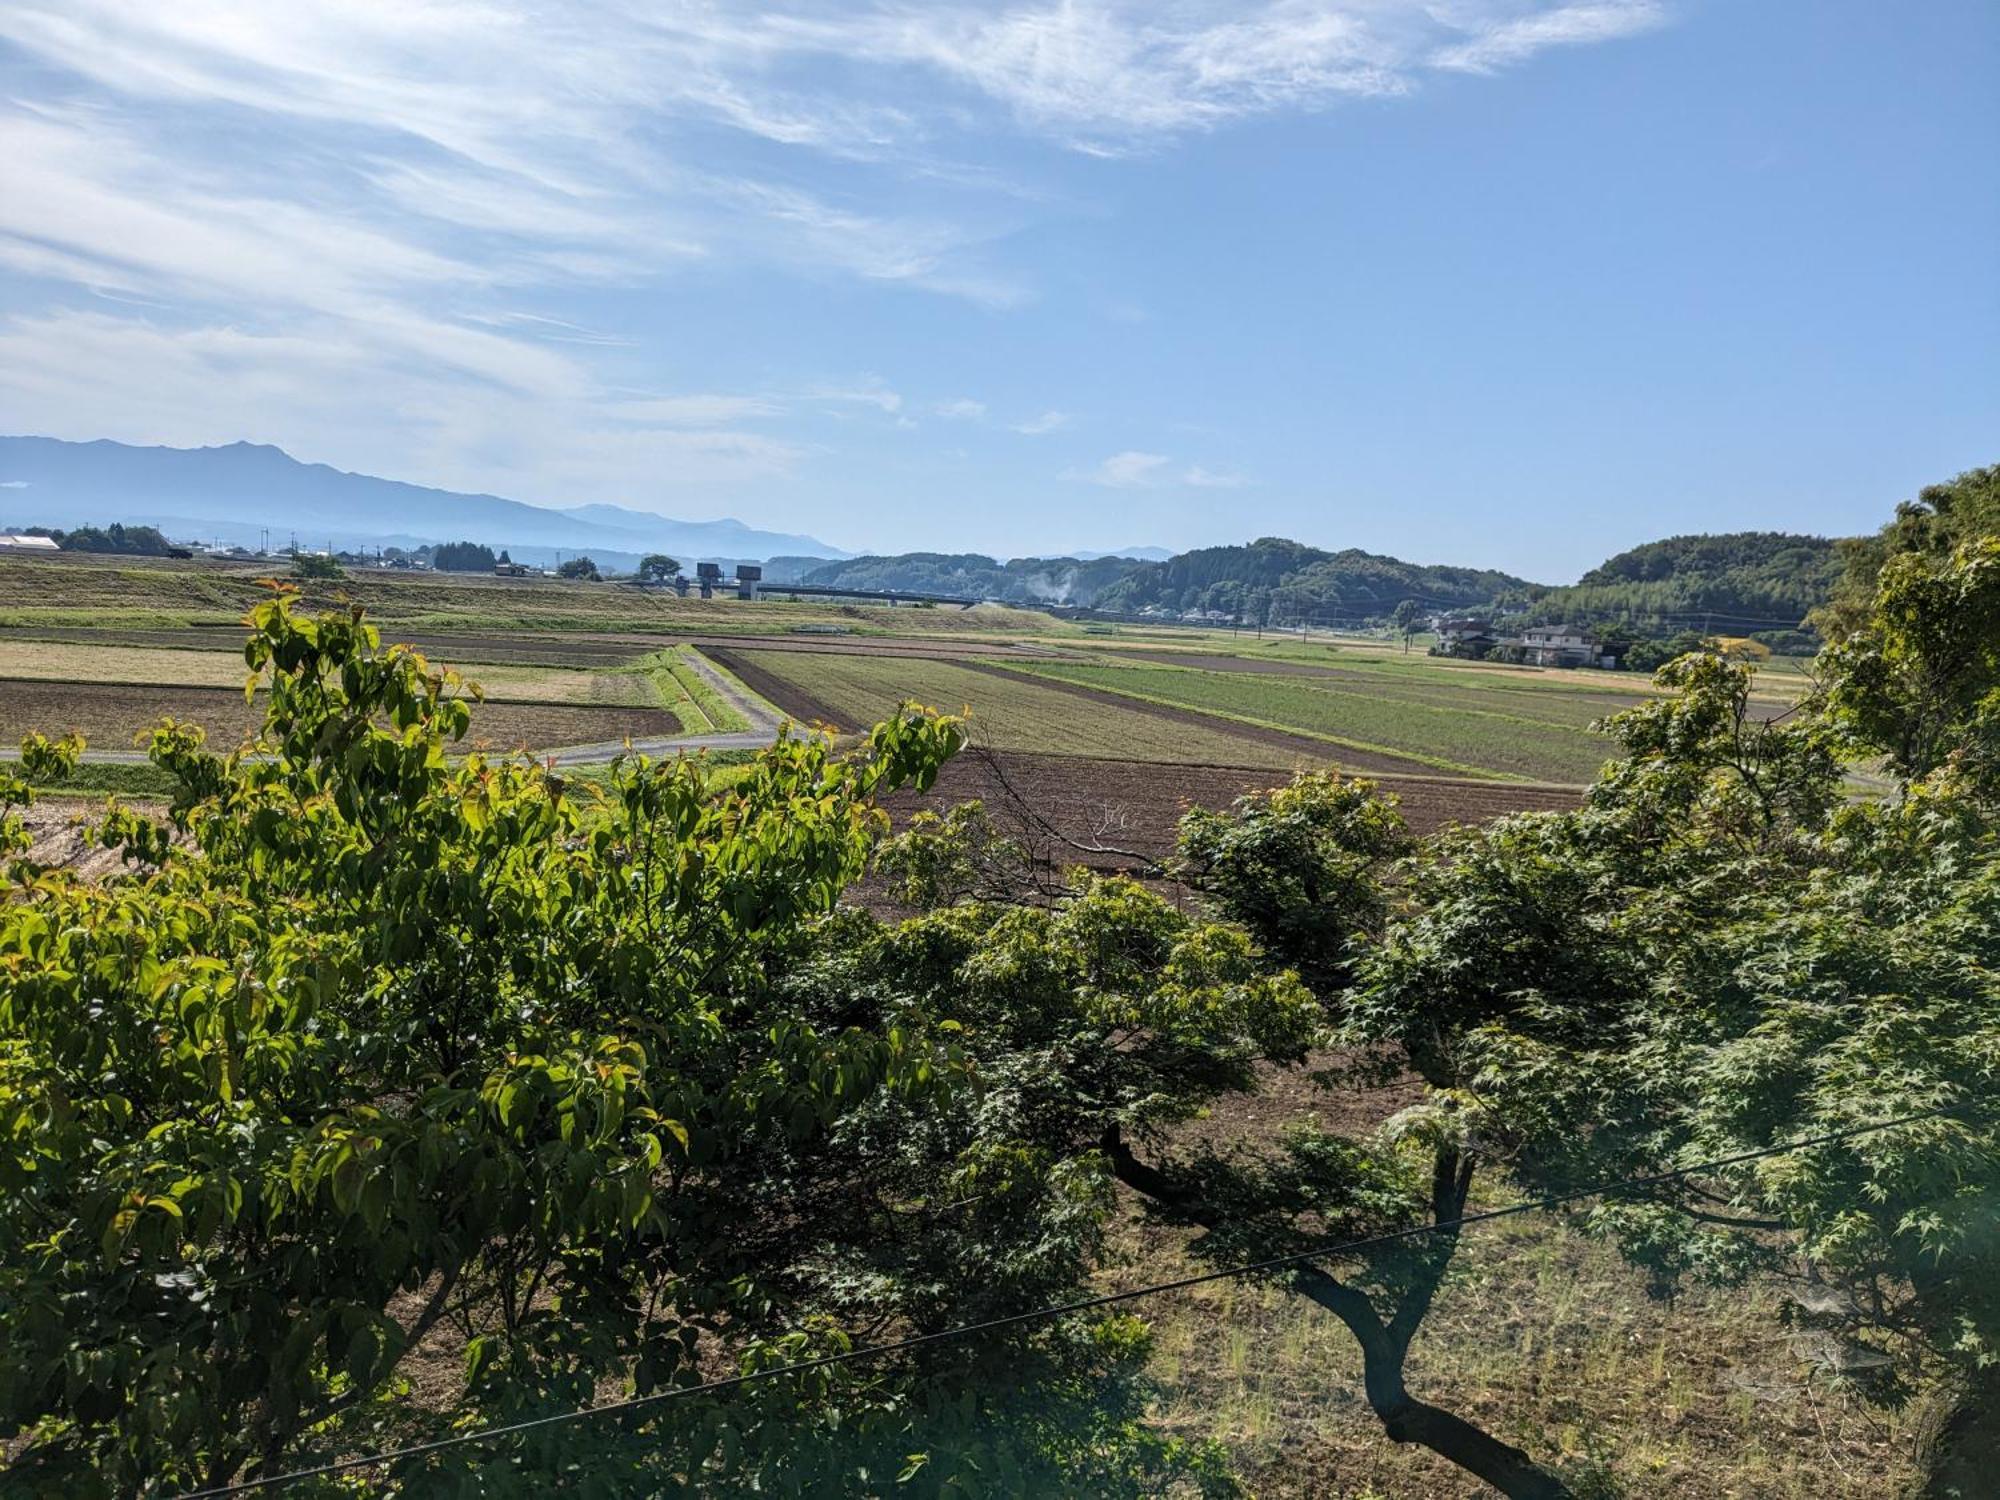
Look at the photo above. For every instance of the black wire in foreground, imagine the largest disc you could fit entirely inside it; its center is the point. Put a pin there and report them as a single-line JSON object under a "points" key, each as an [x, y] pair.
{"points": [[1035, 1315]]}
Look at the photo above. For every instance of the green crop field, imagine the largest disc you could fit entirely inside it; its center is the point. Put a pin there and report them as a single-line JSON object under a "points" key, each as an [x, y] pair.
{"points": [[1009, 713], [1462, 732]]}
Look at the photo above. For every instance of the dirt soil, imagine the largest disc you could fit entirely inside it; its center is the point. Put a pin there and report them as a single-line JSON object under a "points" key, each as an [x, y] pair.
{"points": [[56, 827], [1136, 805]]}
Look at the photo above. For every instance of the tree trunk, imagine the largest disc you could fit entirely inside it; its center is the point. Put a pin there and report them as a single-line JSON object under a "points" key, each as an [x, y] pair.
{"points": [[1405, 1419], [1961, 1460], [1385, 1344]]}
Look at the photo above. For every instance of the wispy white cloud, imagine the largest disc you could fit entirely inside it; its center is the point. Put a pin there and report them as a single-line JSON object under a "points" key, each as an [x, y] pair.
{"points": [[1134, 469], [1123, 471], [696, 410], [964, 409], [378, 208], [1500, 43], [869, 392]]}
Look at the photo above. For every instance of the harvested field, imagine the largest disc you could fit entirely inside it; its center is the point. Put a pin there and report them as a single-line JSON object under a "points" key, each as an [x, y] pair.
{"points": [[110, 716], [1136, 805]]}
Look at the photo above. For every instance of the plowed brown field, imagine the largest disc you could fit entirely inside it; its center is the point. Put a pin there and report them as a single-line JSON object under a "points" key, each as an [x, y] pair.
{"points": [[1136, 805]]}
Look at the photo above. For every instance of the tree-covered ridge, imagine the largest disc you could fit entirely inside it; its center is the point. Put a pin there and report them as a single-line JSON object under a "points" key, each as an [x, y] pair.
{"points": [[1276, 577], [1748, 580], [1755, 580], [1271, 577], [1024, 580]]}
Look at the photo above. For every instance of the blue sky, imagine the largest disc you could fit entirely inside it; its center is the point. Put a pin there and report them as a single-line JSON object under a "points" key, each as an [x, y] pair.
{"points": [[1503, 282]]}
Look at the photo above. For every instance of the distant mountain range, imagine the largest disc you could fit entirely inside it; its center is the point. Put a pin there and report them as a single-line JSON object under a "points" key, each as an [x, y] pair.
{"points": [[236, 493]]}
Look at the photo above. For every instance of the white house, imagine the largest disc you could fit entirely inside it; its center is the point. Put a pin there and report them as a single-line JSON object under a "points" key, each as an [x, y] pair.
{"points": [[27, 544], [1561, 646]]}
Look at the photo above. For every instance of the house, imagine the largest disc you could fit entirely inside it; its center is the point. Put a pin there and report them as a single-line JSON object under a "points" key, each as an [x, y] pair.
{"points": [[1562, 646], [11, 543], [1464, 635], [510, 570]]}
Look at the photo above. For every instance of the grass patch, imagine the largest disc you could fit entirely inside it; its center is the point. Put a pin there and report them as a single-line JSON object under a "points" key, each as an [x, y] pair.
{"points": [[711, 712], [95, 779]]}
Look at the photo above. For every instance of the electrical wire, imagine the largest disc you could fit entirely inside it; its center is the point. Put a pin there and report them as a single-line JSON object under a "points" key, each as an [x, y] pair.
{"points": [[1041, 1314]]}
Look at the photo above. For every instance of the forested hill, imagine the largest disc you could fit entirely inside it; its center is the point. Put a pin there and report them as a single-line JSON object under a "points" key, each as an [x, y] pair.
{"points": [[1025, 580], [1747, 580], [1273, 578]]}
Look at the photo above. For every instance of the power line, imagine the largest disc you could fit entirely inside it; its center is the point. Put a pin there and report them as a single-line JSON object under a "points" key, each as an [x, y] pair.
{"points": [[1040, 1314]]}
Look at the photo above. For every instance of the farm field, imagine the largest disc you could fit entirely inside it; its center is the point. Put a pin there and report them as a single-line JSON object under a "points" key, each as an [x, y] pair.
{"points": [[1135, 806], [1009, 712], [140, 666], [1780, 681], [1457, 732], [111, 715], [95, 592]]}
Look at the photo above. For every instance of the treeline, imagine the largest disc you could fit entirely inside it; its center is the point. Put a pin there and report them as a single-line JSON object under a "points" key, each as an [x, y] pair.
{"points": [[463, 557], [133, 541], [1739, 583]]}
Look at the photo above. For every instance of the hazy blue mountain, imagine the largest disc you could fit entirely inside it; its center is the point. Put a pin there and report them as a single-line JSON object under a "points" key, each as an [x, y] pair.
{"points": [[235, 493]]}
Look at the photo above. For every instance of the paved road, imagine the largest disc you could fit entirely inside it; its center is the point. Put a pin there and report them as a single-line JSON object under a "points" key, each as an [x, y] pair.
{"points": [[761, 716]]}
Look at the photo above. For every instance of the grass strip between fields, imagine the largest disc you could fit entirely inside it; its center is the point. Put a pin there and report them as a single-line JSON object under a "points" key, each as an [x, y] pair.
{"points": [[716, 713], [104, 778], [1436, 762]]}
